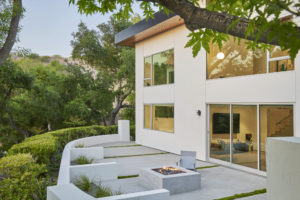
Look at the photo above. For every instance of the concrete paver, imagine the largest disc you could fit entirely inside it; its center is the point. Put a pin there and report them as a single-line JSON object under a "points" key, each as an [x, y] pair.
{"points": [[216, 183]]}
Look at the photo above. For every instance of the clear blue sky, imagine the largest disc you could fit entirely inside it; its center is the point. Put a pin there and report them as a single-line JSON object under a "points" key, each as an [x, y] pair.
{"points": [[48, 24]]}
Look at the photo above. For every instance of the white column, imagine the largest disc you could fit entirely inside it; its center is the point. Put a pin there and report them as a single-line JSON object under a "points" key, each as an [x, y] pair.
{"points": [[124, 130]]}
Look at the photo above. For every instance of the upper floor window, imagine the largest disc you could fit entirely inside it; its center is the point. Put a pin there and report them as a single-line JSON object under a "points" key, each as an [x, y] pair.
{"points": [[159, 68], [234, 59], [280, 60]]}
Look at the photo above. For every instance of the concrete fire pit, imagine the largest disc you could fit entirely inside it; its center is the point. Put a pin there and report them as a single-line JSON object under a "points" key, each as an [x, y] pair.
{"points": [[173, 178]]}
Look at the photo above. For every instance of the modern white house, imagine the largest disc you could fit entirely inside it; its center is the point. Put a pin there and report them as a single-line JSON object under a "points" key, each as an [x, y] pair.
{"points": [[222, 104]]}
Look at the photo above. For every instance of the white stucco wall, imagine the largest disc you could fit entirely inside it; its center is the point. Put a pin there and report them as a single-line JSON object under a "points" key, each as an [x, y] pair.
{"points": [[191, 92], [283, 172], [186, 95]]}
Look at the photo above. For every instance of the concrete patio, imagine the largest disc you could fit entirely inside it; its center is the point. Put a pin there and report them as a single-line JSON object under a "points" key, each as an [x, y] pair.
{"points": [[217, 182]]}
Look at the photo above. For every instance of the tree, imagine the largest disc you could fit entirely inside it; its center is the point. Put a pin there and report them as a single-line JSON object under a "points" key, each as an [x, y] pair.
{"points": [[97, 49], [258, 21], [10, 15]]}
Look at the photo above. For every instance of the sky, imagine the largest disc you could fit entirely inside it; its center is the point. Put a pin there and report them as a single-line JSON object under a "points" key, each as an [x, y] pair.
{"points": [[48, 24]]}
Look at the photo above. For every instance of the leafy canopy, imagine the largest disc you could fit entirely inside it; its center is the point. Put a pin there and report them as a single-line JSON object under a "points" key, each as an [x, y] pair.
{"points": [[263, 16]]}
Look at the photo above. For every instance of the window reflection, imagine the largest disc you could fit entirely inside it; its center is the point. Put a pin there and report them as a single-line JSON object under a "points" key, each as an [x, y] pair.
{"points": [[163, 117], [147, 116], [281, 65], [220, 132], [275, 121], [159, 68], [234, 59], [163, 68], [159, 117], [245, 141]]}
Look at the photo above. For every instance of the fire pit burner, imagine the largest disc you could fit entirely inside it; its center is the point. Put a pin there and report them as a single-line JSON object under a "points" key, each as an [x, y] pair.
{"points": [[168, 170]]}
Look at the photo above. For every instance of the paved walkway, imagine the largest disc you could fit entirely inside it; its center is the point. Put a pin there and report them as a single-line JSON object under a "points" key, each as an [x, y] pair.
{"points": [[217, 182]]}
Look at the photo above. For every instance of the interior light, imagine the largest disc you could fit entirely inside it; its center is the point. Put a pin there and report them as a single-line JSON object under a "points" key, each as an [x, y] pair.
{"points": [[220, 55]]}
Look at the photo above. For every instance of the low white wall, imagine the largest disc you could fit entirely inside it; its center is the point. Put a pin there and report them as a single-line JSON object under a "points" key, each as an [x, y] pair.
{"points": [[160, 194], [71, 192], [95, 153], [96, 140], [64, 170], [95, 172], [283, 168], [67, 192]]}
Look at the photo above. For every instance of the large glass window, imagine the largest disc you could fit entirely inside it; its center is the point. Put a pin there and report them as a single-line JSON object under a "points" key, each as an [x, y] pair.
{"points": [[244, 141], [275, 121], [220, 132], [234, 59], [147, 116], [159, 68], [159, 117], [238, 143]]}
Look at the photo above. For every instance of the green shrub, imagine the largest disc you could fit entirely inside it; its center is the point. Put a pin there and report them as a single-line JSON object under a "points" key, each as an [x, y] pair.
{"points": [[46, 150], [21, 178], [82, 160], [79, 146], [132, 132], [103, 191], [66, 135], [83, 183], [41, 147]]}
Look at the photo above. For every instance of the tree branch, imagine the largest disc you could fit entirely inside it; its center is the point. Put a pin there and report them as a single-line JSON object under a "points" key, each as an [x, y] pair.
{"points": [[13, 30], [196, 18], [127, 106]]}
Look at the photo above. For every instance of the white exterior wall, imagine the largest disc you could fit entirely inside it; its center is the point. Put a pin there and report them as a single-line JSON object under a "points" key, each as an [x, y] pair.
{"points": [[191, 92], [186, 94]]}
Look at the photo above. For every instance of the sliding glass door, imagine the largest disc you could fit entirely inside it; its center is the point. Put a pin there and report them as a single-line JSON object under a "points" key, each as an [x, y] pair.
{"points": [[238, 132], [244, 135], [275, 121], [220, 132]]}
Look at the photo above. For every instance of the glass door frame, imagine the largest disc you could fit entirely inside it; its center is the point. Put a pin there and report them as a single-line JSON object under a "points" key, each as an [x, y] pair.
{"points": [[230, 164]]}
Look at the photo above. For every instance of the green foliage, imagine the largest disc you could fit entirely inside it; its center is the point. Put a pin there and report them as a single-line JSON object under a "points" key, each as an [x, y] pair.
{"points": [[82, 160], [22, 178], [264, 16], [129, 113], [129, 176], [83, 183], [132, 132], [115, 64], [28, 174], [102, 191], [41, 147], [79, 146], [237, 196]]}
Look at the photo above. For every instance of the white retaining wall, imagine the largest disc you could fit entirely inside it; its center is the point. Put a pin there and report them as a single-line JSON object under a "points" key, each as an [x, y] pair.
{"points": [[95, 153], [95, 172], [283, 171], [65, 190]]}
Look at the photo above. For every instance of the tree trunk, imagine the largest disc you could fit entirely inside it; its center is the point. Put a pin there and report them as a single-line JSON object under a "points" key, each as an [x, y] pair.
{"points": [[114, 114], [13, 30], [196, 18]]}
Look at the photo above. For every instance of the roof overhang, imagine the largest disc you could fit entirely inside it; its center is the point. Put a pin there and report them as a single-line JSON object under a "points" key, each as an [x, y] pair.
{"points": [[147, 28]]}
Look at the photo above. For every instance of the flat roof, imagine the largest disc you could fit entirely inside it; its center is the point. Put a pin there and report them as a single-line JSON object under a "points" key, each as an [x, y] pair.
{"points": [[147, 28]]}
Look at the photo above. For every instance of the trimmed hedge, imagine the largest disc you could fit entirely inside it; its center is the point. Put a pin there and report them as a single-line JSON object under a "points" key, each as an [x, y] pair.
{"points": [[19, 174], [41, 147], [44, 147], [27, 166]]}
